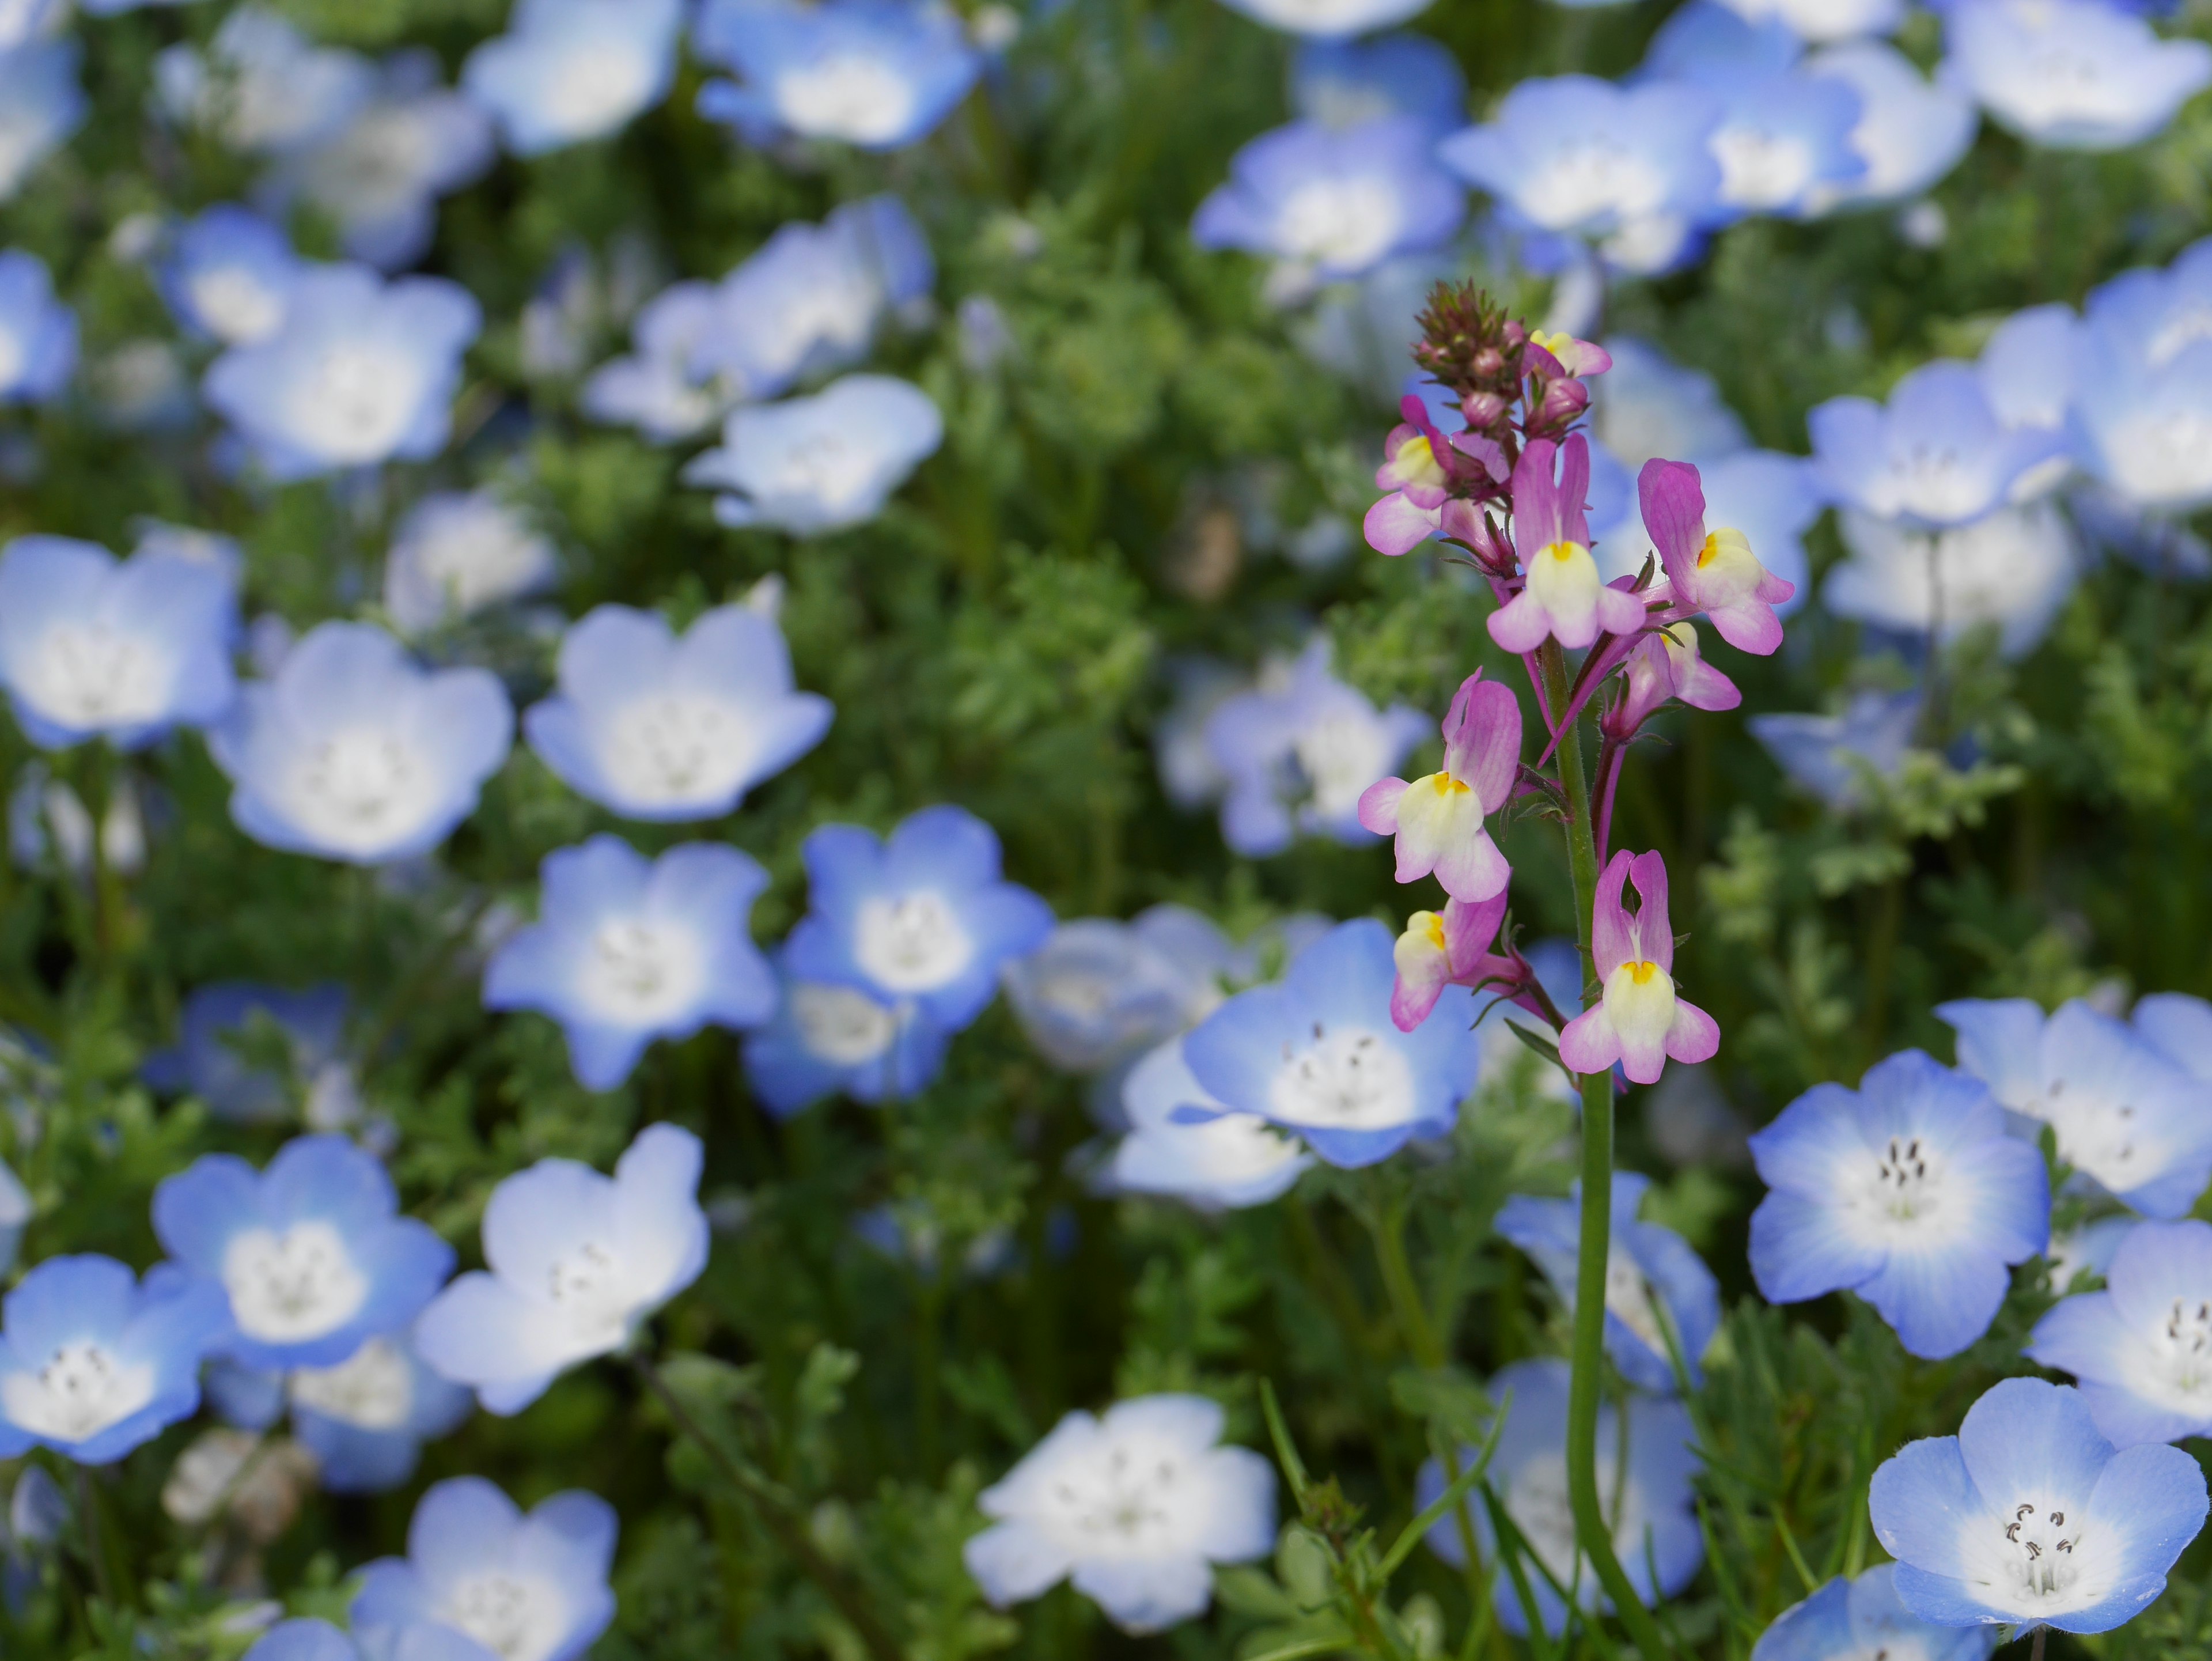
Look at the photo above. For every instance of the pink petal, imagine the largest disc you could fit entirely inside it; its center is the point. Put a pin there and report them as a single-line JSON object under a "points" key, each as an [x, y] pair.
{"points": [[1588, 1043], [1537, 360], [1473, 870], [1674, 503], [1378, 805], [1520, 624], [1694, 1035], [1618, 611], [1643, 1058], [1411, 1000], [1611, 943], [1706, 688], [1482, 748], [1536, 510], [1773, 589], [1484, 450], [1469, 928], [1394, 526], [1574, 489], [1653, 931], [1749, 625]]}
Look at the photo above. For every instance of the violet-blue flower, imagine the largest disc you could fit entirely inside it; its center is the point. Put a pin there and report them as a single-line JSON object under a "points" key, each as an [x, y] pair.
{"points": [[1845, 1619], [2076, 74], [1334, 202], [2011, 569], [1910, 131], [38, 333], [1225, 1162], [1345, 84], [40, 105], [878, 74], [1830, 756], [213, 1057], [457, 552], [1648, 406], [813, 464], [568, 71], [653, 387], [2140, 1350], [305, 1638], [365, 1419], [827, 1038], [229, 274], [1825, 20], [262, 86], [1936, 456], [1099, 991], [2180, 1027]]}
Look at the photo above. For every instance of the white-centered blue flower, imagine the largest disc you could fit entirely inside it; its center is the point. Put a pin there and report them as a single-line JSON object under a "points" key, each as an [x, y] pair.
{"points": [[827, 1038], [1934, 457], [1831, 756], [305, 1638], [1224, 1162], [355, 752], [653, 387], [1825, 20], [1910, 131], [457, 552], [40, 105], [813, 464], [365, 1419], [92, 1363], [524, 1586], [311, 1252], [93, 646], [666, 728], [1853, 1620], [217, 1060], [628, 949], [38, 333], [1346, 83], [1099, 992], [1648, 406], [22, 21], [2074, 75], [877, 74], [2031, 367], [1647, 1267], [229, 276], [2127, 1120], [2140, 1350], [567, 71], [359, 372], [1328, 20], [575, 1262], [923, 918], [1335, 202], [1133, 1506], [262, 86], [2144, 436], [2012, 568]]}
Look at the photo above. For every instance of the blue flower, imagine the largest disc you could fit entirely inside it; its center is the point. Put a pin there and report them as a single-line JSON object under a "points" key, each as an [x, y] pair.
{"points": [[457, 552], [15, 1208], [1648, 1495], [667, 729], [626, 951], [1099, 991], [44, 104], [1830, 756], [26, 20], [2074, 75], [653, 388], [2128, 1121], [2028, 1517], [878, 74], [2180, 1027], [359, 372], [1649, 406], [1647, 1265], [1328, 20], [1911, 133], [262, 86], [2141, 1348], [1224, 1162], [1345, 84], [1847, 1619], [923, 918], [91, 646], [525, 1587], [827, 1038], [92, 1363], [307, 1640], [1827, 19], [365, 1419], [577, 1262], [229, 276], [1318, 1053], [1907, 1190], [1332, 201], [353, 752], [811, 465], [1936, 457], [2012, 569], [567, 71], [211, 1058], [38, 333]]}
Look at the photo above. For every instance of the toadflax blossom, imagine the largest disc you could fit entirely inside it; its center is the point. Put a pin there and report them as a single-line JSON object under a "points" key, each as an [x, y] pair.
{"points": [[1646, 1267], [457, 552], [668, 728], [1133, 1506], [575, 1262], [525, 1586], [878, 74], [38, 333], [1645, 1469], [826, 1039], [311, 1252], [92, 1363], [567, 71], [1223, 1162], [229, 276], [1848, 1619], [811, 465], [1562, 597], [1453, 949], [352, 753], [1638, 1022], [1714, 574], [628, 949], [1418, 464], [2074, 75], [1438, 820], [1907, 1190], [1319, 1053], [1934, 456], [91, 646], [2127, 1119], [2140, 1350], [2028, 1517]]}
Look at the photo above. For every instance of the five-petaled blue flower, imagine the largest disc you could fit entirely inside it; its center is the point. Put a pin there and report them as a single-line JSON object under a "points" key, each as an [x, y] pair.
{"points": [[365, 1419], [567, 70], [827, 1037], [1335, 202], [229, 276], [813, 465], [878, 74], [1934, 456], [1848, 1619], [2142, 1348], [38, 333]]}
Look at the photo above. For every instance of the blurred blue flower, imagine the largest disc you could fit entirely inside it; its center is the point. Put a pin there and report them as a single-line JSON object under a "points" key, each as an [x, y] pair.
{"points": [[2128, 1121], [92, 1363], [1346, 83], [879, 74], [40, 105], [2030, 367], [457, 552], [228, 276], [1845, 1619], [628, 949], [1827, 20], [2180, 1027], [26, 20], [309, 1639], [2012, 568], [1829, 756], [667, 729], [2141, 1347], [212, 1057], [567, 71], [2072, 75], [1647, 1494], [354, 752], [1936, 457], [92, 647], [1985, 1524], [15, 1208], [1099, 991], [1910, 131], [923, 918], [1225, 1162], [359, 372], [811, 465], [827, 1038], [1908, 1190], [261, 85], [525, 1587], [1333, 201], [1647, 1267], [1649, 406], [652, 388], [2147, 435], [576, 1262], [365, 1419], [1328, 20], [38, 333]]}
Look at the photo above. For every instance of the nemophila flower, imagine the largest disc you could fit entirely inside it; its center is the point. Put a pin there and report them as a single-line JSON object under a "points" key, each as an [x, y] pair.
{"points": [[2088, 1249], [526, 1586], [457, 552], [92, 1363], [1845, 1619], [308, 1639], [1648, 405], [1825, 20], [2141, 1348], [1133, 1506], [93, 646], [668, 728], [2012, 569], [811, 465], [1936, 457], [1227, 1162], [1319, 1053], [653, 388], [2031, 366], [1562, 595], [1907, 1190], [1438, 819], [2146, 439], [827, 1038], [1099, 990], [15, 1209], [230, 275], [628, 949], [567, 71], [1638, 1022], [1419, 464], [1333, 201], [262, 86], [1644, 1470], [38, 333], [353, 752], [1647, 1267], [1910, 131], [40, 105], [360, 371], [1345, 84], [365, 1419], [2126, 1118], [2028, 1517], [878, 74], [26, 19], [2178, 1027], [2147, 316], [1833, 756], [1714, 574], [218, 1057], [2074, 75], [576, 1261]]}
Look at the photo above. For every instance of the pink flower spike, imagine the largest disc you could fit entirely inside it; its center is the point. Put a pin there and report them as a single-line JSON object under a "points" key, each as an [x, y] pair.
{"points": [[1562, 596], [1637, 1021], [1435, 952], [1438, 819], [1715, 573]]}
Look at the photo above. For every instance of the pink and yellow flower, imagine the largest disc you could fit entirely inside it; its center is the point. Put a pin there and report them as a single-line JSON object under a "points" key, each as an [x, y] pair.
{"points": [[1637, 1021]]}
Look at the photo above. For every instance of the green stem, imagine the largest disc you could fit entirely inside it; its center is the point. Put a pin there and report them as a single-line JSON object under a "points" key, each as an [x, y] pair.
{"points": [[95, 1543], [1406, 1305], [928, 1365]]}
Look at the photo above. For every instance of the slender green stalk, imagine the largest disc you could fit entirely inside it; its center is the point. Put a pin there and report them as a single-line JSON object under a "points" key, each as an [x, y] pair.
{"points": [[95, 1543], [928, 1365]]}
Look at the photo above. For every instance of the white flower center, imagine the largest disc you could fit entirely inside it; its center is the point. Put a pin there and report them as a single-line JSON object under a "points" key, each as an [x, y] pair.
{"points": [[677, 748], [2180, 1372], [1347, 222], [2059, 81], [13, 355], [236, 305], [2162, 459], [1592, 180], [640, 973], [79, 1391], [841, 1026], [374, 1388], [821, 466], [2104, 1138], [299, 1284], [355, 402], [854, 96], [589, 1287], [912, 943], [1347, 1077], [593, 85], [1761, 169], [516, 1617], [2038, 1552], [378, 165], [1128, 1497], [1339, 757], [90, 674], [1931, 479], [361, 790]]}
